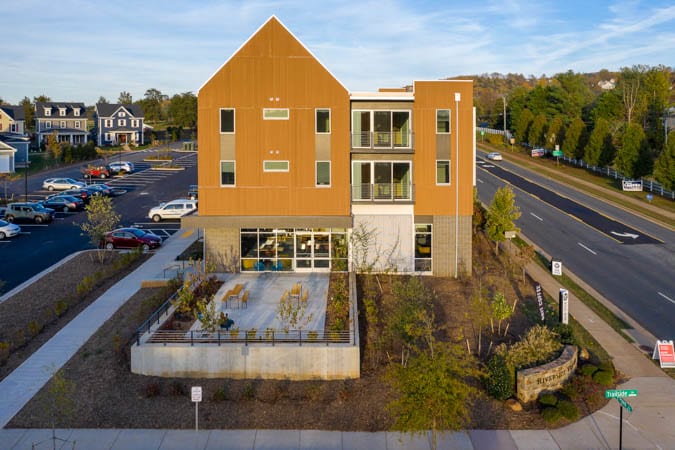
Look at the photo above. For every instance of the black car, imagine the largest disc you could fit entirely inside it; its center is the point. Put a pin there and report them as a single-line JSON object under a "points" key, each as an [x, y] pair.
{"points": [[64, 203], [104, 189], [84, 194]]}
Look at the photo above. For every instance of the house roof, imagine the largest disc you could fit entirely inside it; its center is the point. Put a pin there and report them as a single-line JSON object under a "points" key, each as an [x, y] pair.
{"points": [[15, 112], [109, 109], [55, 106]]}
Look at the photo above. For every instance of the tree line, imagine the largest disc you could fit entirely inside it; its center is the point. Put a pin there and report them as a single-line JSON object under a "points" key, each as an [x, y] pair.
{"points": [[614, 119]]}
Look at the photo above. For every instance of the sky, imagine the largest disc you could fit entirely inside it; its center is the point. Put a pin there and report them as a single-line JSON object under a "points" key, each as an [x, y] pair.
{"points": [[79, 50]]}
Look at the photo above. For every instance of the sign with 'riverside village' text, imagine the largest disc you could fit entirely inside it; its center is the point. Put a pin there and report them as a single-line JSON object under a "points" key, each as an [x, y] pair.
{"points": [[540, 302]]}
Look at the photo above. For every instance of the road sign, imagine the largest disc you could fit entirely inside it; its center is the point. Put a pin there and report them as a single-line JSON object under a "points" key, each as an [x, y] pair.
{"points": [[625, 404], [196, 394], [557, 153], [618, 393], [556, 267]]}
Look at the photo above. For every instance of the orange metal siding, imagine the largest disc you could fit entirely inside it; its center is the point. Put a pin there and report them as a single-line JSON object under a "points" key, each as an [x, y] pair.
{"points": [[273, 70], [431, 199]]}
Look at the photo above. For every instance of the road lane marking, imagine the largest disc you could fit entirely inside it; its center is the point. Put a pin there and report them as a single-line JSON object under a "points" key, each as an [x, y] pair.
{"points": [[586, 248], [666, 297], [627, 235], [479, 180], [537, 217]]}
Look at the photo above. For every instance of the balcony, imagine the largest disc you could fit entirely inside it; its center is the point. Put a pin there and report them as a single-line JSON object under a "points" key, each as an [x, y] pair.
{"points": [[382, 141], [383, 192]]}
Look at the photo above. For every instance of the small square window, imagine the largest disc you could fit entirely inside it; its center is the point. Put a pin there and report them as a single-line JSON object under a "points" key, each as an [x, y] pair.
{"points": [[323, 173], [443, 172], [323, 121], [227, 173], [275, 166], [226, 120], [48, 112], [442, 121]]}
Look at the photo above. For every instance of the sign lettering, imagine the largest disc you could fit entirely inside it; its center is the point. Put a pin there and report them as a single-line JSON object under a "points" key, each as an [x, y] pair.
{"points": [[664, 351], [540, 302], [631, 185]]}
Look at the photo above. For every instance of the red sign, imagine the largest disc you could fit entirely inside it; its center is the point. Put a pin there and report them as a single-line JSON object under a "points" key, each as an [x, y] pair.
{"points": [[665, 352]]}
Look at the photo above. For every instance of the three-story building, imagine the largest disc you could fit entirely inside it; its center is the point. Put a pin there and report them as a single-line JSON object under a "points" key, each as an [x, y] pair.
{"points": [[297, 173], [67, 120], [118, 124]]}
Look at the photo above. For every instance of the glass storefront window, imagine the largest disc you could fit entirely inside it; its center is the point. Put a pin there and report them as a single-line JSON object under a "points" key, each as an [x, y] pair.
{"points": [[423, 247]]}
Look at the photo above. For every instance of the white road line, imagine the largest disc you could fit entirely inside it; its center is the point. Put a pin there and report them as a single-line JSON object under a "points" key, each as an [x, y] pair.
{"points": [[666, 297], [479, 180], [586, 248], [536, 217]]}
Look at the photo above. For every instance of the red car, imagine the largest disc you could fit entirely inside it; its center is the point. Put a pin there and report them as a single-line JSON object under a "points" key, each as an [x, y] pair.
{"points": [[95, 172], [131, 238]]}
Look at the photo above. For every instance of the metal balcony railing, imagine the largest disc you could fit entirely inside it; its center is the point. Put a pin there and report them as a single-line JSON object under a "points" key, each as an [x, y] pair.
{"points": [[382, 140], [383, 192]]}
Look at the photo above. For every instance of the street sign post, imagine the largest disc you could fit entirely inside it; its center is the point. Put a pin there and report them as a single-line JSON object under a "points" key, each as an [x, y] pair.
{"points": [[624, 403], [620, 393], [563, 306], [196, 395]]}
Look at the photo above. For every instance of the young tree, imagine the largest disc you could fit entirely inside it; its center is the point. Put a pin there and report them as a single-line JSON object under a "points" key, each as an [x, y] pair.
{"points": [[536, 133], [101, 218], [54, 146], [599, 150], [572, 141], [501, 215], [433, 391], [102, 100], [523, 124], [554, 132], [632, 147], [124, 98], [664, 167], [29, 113]]}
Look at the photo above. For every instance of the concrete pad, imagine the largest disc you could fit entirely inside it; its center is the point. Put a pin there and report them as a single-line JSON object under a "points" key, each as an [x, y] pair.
{"points": [[363, 439], [456, 440], [534, 440], [93, 439], [277, 439], [10, 437], [320, 440], [42, 438], [583, 434], [408, 441], [231, 440], [141, 439], [492, 439], [184, 439]]}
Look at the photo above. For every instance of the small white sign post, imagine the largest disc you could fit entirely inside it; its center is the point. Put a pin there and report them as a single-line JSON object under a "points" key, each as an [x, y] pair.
{"points": [[196, 398], [556, 267], [563, 306]]}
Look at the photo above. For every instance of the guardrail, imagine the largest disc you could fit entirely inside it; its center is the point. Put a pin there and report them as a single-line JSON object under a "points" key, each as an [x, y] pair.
{"points": [[155, 318], [247, 337]]}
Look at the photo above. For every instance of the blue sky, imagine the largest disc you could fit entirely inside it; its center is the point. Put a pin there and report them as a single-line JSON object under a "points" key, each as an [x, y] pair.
{"points": [[78, 50]]}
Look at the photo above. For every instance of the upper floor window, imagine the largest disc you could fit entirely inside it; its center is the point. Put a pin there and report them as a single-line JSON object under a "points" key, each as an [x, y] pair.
{"points": [[108, 123], [442, 121], [275, 113], [76, 111], [275, 166], [323, 173], [122, 122], [227, 173], [77, 124], [48, 111], [62, 112], [122, 114], [323, 121], [134, 123], [48, 124], [382, 180], [63, 124], [443, 172], [381, 129], [227, 120], [13, 128]]}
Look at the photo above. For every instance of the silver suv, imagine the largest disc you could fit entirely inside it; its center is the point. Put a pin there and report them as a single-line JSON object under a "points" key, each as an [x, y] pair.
{"points": [[120, 167], [28, 211]]}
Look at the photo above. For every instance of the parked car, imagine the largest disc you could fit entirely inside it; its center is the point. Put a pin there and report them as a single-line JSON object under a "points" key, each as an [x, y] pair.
{"points": [[131, 238], [82, 193], [64, 203], [175, 209], [61, 184], [28, 211], [495, 156], [104, 189], [193, 192], [120, 167], [8, 229], [95, 172]]}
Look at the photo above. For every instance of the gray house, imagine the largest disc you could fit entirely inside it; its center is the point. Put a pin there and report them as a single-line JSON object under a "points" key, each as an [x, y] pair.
{"points": [[117, 124], [14, 142], [67, 120]]}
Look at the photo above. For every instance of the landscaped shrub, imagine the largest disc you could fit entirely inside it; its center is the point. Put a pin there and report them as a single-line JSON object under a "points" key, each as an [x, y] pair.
{"points": [[151, 389], [604, 378], [4, 352], [177, 389], [566, 334], [219, 395], [249, 391], [568, 410], [548, 399], [607, 367], [588, 369], [498, 382], [539, 345], [34, 328], [551, 415]]}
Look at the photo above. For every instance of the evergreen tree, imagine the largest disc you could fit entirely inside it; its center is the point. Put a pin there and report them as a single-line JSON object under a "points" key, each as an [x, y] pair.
{"points": [[536, 135], [572, 140], [599, 148], [523, 125], [633, 145], [664, 167]]}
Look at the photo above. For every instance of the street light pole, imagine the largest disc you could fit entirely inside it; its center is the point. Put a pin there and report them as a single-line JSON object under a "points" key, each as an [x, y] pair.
{"points": [[504, 101], [458, 97]]}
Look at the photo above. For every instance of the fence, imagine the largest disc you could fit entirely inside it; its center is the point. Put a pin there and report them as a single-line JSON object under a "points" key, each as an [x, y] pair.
{"points": [[648, 185], [252, 336]]}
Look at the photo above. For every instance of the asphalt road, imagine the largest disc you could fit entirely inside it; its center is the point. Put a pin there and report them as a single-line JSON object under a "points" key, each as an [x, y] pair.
{"points": [[596, 241], [40, 246]]}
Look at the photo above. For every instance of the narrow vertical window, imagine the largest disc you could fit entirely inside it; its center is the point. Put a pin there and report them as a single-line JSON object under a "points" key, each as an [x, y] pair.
{"points": [[227, 120], [323, 121], [227, 173], [323, 173], [443, 172], [442, 121]]}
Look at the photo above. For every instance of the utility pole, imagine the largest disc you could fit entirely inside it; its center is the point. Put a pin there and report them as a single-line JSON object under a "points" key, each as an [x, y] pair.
{"points": [[504, 101]]}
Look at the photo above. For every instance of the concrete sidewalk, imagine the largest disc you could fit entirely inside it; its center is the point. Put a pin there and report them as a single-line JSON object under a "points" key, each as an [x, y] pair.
{"points": [[648, 427]]}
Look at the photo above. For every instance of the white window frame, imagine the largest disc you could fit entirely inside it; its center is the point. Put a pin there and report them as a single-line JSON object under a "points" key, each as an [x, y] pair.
{"points": [[62, 112], [77, 124], [436, 172], [316, 121], [108, 137], [234, 120], [76, 111], [48, 112], [13, 128], [316, 174], [62, 124], [134, 123], [48, 124], [449, 121], [108, 123], [269, 110], [276, 161], [121, 122], [220, 174], [122, 114]]}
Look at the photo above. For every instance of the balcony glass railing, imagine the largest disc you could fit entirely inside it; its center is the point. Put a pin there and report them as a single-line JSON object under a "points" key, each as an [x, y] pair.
{"points": [[382, 192], [382, 140]]}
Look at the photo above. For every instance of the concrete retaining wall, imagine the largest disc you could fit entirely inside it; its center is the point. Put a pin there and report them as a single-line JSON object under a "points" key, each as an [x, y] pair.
{"points": [[549, 377]]}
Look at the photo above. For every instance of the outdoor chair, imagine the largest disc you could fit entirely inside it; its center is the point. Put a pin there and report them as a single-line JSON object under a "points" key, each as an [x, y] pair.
{"points": [[244, 299]]}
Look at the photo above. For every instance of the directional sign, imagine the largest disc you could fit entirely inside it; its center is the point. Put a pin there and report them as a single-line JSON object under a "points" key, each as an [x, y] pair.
{"points": [[618, 393], [625, 404]]}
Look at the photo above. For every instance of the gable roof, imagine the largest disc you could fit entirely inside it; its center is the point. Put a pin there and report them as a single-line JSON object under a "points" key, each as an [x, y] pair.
{"points": [[110, 109], [273, 20], [14, 112], [40, 110]]}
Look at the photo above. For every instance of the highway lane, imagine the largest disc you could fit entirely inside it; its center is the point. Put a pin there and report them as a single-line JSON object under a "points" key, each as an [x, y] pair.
{"points": [[39, 247], [637, 278]]}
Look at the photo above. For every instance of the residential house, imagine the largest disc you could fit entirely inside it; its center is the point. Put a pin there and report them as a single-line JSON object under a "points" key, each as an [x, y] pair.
{"points": [[297, 173], [118, 124], [67, 120], [14, 142]]}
